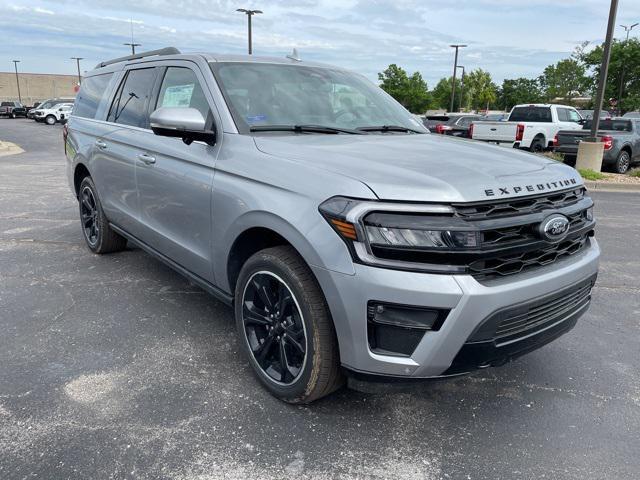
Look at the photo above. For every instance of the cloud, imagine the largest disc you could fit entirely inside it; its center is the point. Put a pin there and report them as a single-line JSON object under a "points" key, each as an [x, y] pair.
{"points": [[509, 38]]}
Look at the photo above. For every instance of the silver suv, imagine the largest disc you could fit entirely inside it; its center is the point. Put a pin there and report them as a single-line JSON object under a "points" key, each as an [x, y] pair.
{"points": [[350, 242]]}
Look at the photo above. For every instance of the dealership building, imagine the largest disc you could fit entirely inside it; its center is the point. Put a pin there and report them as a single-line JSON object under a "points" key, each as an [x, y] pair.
{"points": [[35, 87]]}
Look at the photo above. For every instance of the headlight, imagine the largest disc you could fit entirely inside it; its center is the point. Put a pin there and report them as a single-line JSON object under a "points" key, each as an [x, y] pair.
{"points": [[380, 233]]}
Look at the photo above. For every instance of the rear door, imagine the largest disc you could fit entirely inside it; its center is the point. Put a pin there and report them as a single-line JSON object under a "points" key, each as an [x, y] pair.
{"points": [[174, 179], [117, 148], [635, 154]]}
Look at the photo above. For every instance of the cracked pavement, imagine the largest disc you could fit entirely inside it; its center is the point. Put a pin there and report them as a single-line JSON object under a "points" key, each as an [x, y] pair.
{"points": [[115, 367]]}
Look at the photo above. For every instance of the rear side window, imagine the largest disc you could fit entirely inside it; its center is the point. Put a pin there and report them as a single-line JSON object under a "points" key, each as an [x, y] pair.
{"points": [[530, 114], [614, 125], [91, 92], [563, 115], [130, 104], [181, 88]]}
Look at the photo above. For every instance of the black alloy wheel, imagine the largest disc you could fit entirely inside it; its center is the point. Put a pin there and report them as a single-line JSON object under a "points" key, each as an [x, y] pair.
{"points": [[623, 162], [89, 216], [274, 328]]}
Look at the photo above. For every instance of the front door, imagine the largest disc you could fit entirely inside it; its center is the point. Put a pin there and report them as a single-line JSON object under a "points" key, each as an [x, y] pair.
{"points": [[175, 180]]}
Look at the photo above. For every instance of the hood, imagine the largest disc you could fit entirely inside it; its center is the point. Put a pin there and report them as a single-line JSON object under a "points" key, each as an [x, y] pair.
{"points": [[425, 168]]}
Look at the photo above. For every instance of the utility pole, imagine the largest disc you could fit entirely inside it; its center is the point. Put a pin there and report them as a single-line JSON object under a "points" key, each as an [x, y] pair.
{"points": [[133, 45], [15, 64], [461, 87], [249, 13], [622, 72], [455, 69], [604, 70], [77, 59]]}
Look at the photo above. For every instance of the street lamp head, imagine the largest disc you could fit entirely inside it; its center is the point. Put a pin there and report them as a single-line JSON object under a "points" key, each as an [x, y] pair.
{"points": [[15, 61], [248, 12], [458, 46]]}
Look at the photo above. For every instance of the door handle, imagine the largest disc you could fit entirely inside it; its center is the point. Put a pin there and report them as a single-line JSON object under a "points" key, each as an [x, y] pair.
{"points": [[147, 159], [101, 145]]}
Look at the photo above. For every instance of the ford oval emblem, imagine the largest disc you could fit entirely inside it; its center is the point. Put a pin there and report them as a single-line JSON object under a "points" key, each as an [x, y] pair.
{"points": [[554, 228]]}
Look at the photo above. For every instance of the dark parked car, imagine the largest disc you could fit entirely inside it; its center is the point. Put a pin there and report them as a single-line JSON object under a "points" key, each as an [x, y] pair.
{"points": [[12, 110], [454, 124], [621, 138], [588, 114]]}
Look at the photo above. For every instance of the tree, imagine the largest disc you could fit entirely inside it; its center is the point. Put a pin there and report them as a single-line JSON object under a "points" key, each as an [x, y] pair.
{"points": [[566, 79], [625, 55], [441, 94], [517, 91], [481, 89], [411, 91]]}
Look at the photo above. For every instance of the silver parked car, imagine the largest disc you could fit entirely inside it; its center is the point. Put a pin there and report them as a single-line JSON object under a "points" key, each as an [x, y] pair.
{"points": [[350, 242]]}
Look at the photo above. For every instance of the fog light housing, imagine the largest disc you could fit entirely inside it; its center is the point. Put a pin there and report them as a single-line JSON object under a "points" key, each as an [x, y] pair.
{"points": [[395, 329]]}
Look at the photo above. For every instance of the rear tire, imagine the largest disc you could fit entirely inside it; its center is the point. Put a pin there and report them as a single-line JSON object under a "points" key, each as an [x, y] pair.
{"points": [[537, 145], [285, 327], [97, 233], [623, 162]]}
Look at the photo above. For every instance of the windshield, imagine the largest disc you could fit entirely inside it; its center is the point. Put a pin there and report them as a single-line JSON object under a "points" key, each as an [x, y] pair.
{"points": [[6, 104], [263, 94], [47, 104]]}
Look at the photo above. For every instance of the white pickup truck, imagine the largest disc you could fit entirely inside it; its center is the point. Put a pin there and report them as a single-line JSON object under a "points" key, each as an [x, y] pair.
{"points": [[529, 126], [57, 113]]}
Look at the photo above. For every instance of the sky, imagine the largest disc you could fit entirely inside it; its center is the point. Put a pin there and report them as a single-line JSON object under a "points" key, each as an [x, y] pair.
{"points": [[509, 38]]}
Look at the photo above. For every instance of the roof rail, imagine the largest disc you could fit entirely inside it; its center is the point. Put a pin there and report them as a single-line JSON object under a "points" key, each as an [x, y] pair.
{"points": [[151, 53]]}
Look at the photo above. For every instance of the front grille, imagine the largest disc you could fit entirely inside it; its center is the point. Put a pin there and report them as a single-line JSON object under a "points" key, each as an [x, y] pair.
{"points": [[539, 316], [517, 262], [524, 206]]}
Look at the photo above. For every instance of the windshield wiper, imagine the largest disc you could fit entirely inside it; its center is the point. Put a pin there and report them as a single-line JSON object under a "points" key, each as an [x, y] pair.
{"points": [[388, 128], [304, 128]]}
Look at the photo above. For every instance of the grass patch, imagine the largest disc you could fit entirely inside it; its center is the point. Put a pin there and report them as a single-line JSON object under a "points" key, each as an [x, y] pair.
{"points": [[588, 174], [558, 157], [635, 173]]}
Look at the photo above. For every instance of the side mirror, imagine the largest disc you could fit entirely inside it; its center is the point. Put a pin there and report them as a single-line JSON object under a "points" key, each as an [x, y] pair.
{"points": [[181, 122], [582, 121]]}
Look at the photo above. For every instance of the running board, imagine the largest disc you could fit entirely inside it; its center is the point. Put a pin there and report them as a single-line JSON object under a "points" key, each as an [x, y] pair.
{"points": [[199, 281]]}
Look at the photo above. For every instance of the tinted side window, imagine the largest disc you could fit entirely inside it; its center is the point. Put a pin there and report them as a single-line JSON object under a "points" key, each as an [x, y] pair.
{"points": [[180, 88], [562, 115], [91, 92], [130, 105], [530, 114]]}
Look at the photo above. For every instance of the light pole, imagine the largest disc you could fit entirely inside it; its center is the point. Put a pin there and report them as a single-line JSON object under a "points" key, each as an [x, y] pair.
{"points": [[15, 64], [249, 13], [133, 45], [604, 70], [455, 69], [461, 88], [77, 59], [622, 72]]}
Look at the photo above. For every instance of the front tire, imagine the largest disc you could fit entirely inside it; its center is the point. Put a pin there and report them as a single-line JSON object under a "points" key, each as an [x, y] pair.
{"points": [[623, 162], [50, 120], [285, 327], [98, 235]]}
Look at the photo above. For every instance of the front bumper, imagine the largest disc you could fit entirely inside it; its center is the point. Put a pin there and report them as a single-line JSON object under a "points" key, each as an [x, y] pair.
{"points": [[470, 303]]}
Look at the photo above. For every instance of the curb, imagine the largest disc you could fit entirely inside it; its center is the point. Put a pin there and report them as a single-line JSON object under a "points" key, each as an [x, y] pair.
{"points": [[612, 187]]}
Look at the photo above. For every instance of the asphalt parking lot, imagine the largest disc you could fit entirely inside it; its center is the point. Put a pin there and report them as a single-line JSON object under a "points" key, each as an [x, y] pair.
{"points": [[115, 367]]}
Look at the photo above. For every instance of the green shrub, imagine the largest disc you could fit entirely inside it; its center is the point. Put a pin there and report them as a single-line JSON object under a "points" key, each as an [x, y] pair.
{"points": [[588, 174]]}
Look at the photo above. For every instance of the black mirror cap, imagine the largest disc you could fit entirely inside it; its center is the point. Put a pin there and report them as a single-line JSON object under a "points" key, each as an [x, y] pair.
{"points": [[209, 137]]}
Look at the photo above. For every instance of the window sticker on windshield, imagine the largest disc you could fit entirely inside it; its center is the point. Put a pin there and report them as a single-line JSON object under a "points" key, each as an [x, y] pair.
{"points": [[178, 96], [256, 118]]}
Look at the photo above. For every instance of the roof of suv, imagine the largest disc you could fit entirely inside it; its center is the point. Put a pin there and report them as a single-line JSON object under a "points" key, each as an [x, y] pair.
{"points": [[119, 63]]}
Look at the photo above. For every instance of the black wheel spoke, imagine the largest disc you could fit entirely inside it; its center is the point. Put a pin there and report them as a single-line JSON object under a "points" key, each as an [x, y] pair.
{"points": [[295, 344], [284, 364], [253, 316], [263, 350], [263, 291]]}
